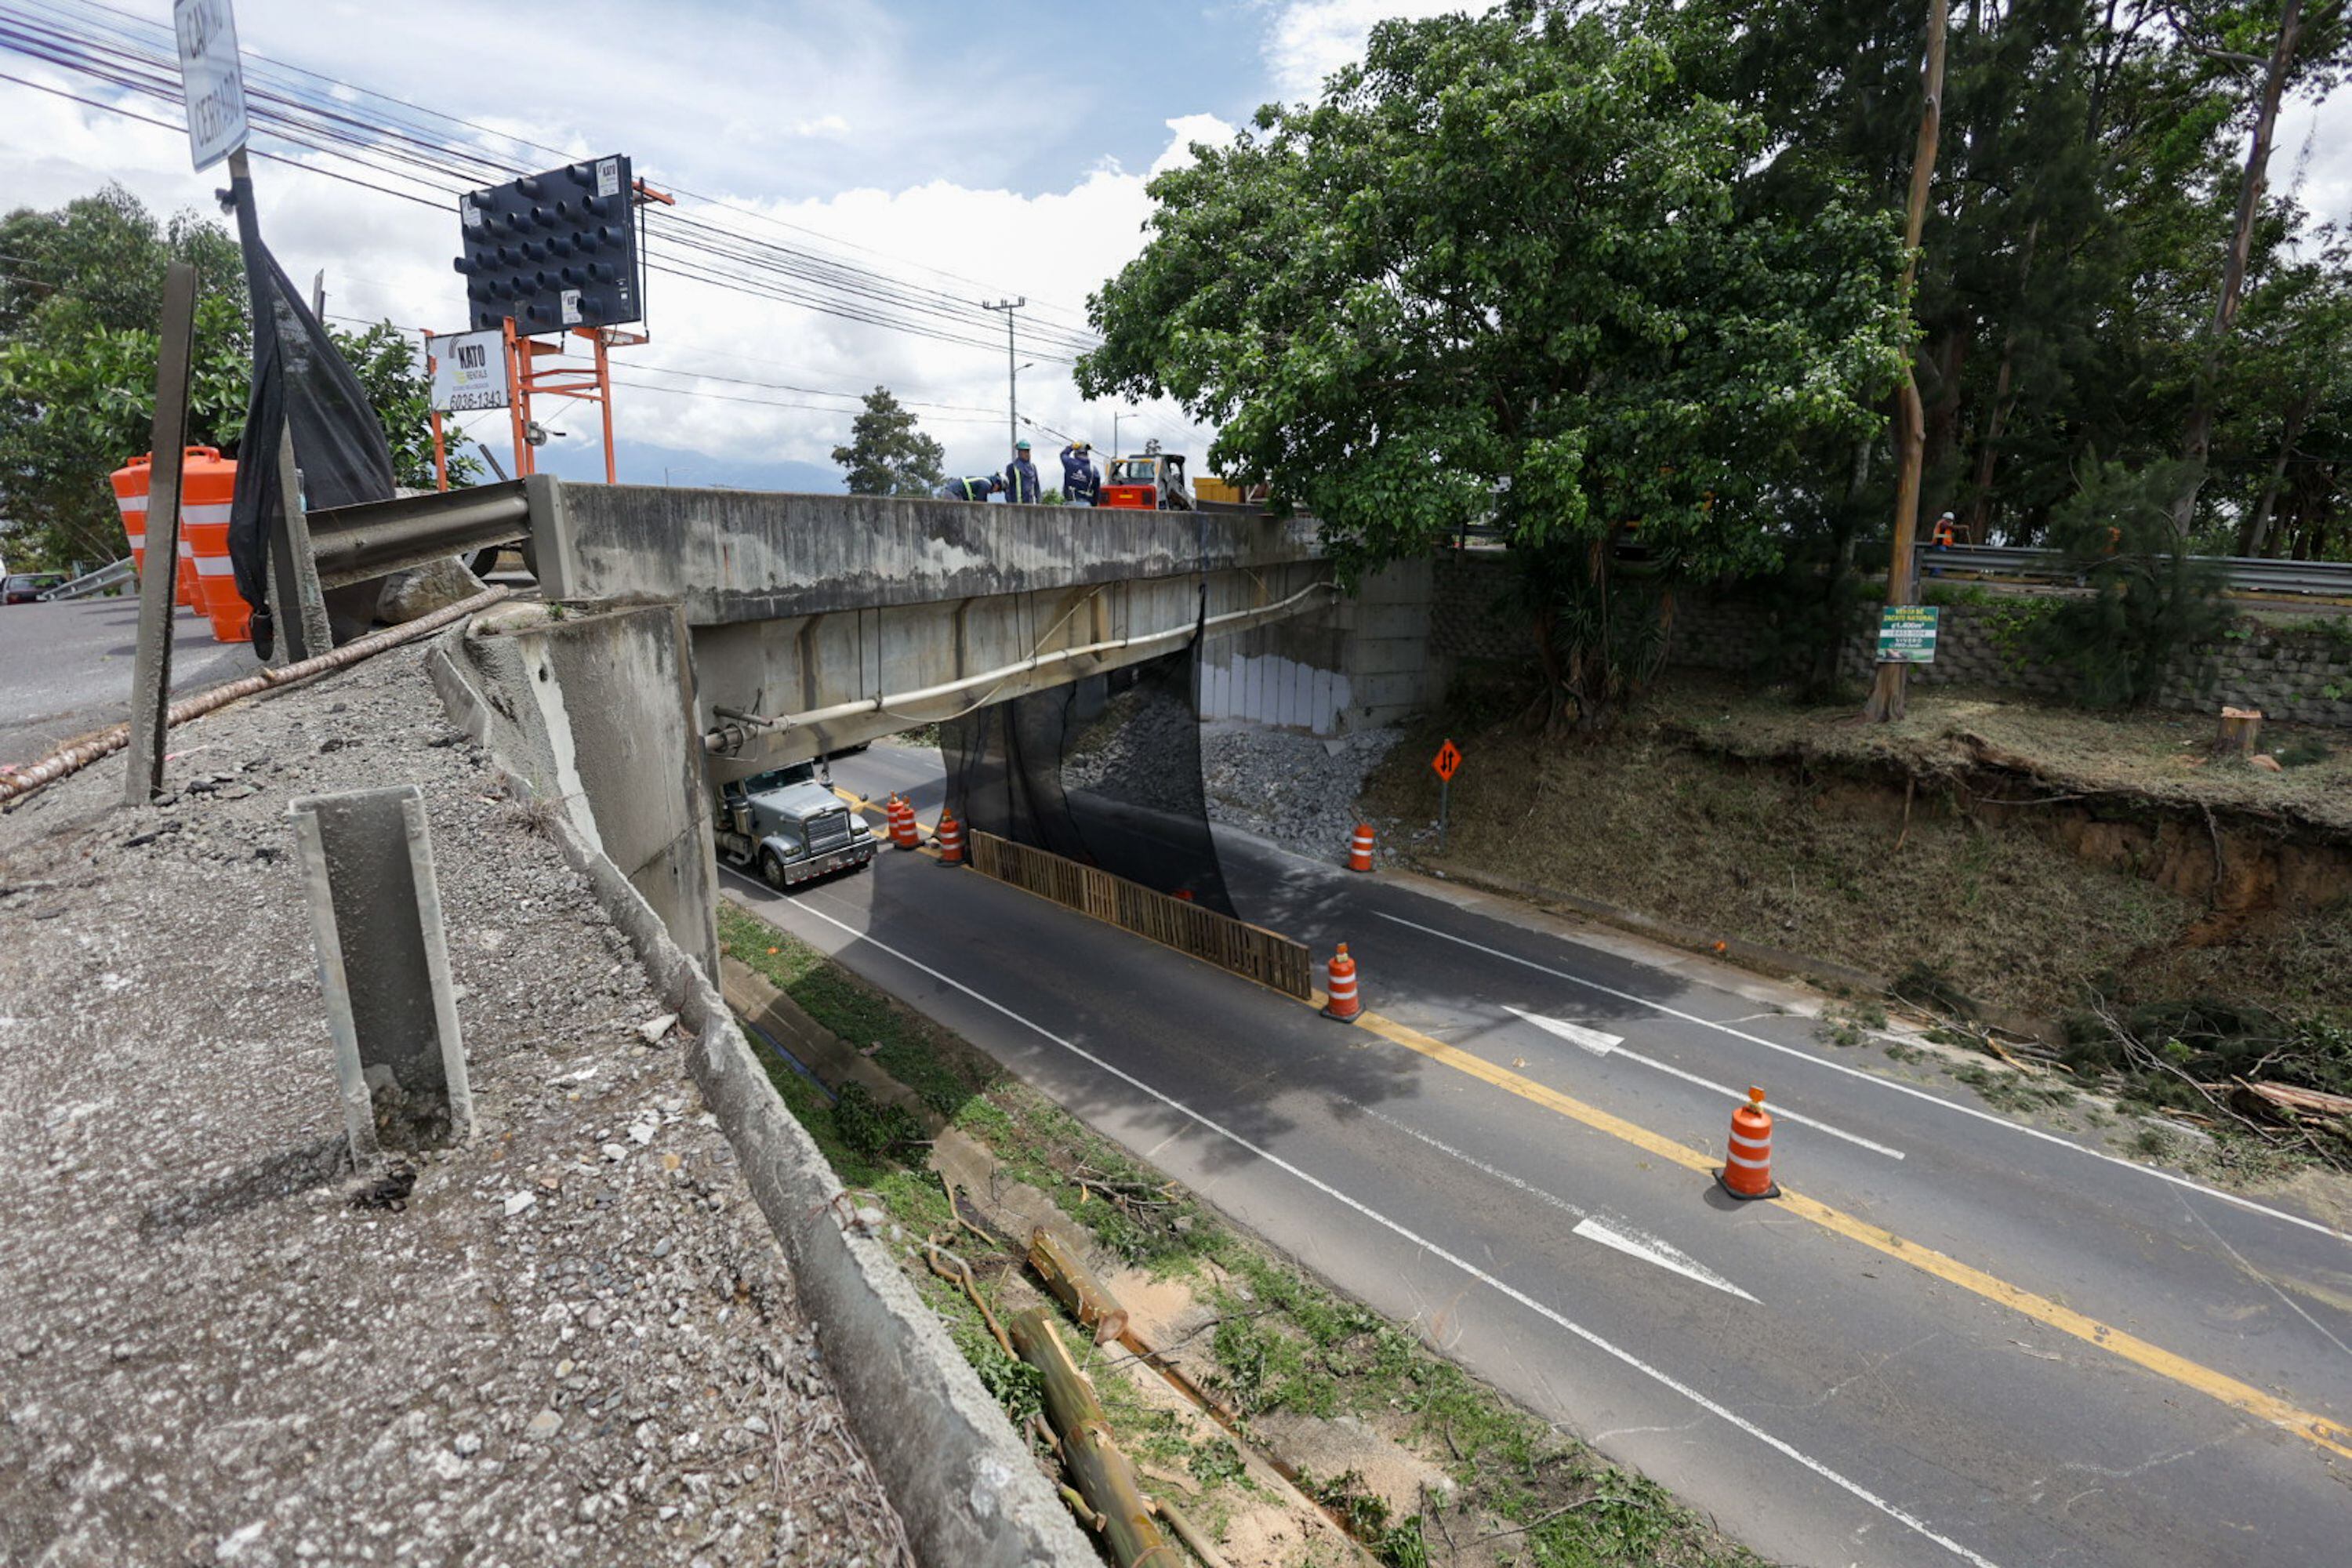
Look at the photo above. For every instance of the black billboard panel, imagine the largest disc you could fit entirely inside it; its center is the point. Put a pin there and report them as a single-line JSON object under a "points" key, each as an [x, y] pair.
{"points": [[553, 250]]}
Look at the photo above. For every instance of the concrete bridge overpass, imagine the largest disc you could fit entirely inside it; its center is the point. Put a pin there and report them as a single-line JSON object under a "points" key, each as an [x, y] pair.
{"points": [[699, 633], [816, 622]]}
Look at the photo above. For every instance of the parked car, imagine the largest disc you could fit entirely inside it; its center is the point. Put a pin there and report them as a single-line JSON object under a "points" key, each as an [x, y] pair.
{"points": [[24, 587]]}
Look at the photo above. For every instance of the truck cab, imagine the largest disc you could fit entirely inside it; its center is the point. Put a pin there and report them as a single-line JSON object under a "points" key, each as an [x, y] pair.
{"points": [[790, 825], [1147, 481]]}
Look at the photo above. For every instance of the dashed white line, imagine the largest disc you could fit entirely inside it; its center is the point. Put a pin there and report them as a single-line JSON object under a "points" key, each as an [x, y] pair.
{"points": [[1615, 1047], [1666, 1380], [1935, 1099]]}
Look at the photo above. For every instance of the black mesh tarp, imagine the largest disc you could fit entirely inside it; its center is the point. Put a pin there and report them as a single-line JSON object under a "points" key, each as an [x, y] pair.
{"points": [[1105, 771], [300, 381]]}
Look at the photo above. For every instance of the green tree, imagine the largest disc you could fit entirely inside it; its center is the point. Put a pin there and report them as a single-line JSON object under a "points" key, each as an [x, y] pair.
{"points": [[1512, 269], [80, 289], [390, 365], [887, 454], [2150, 599]]}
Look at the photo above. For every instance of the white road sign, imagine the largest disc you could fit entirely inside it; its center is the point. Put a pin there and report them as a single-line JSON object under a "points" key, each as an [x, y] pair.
{"points": [[469, 372], [211, 78]]}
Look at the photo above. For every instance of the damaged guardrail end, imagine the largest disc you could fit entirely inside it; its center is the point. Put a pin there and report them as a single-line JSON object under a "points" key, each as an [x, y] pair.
{"points": [[383, 968]]}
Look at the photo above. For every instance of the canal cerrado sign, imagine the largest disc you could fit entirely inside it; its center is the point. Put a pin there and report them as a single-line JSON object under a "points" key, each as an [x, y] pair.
{"points": [[211, 78]]}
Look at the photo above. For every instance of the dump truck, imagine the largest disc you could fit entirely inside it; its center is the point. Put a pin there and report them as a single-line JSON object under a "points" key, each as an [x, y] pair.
{"points": [[1147, 481], [789, 825]]}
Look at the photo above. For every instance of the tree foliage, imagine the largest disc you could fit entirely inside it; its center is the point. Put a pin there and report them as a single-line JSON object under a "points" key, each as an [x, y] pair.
{"points": [[80, 289], [887, 454], [1511, 269]]}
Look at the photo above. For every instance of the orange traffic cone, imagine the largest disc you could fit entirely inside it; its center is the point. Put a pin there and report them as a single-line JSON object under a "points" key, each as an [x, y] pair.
{"points": [[1748, 1163], [1344, 1005], [904, 832], [951, 839], [1359, 848]]}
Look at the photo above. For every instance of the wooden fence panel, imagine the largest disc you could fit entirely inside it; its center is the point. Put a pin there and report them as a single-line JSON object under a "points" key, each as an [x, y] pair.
{"points": [[1272, 961]]}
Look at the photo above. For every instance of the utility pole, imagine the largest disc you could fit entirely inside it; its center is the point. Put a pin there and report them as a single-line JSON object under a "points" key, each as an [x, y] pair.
{"points": [[1012, 373]]}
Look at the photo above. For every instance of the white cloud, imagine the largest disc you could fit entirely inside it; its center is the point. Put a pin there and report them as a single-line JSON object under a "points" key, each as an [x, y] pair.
{"points": [[387, 258], [1188, 129], [2314, 157], [1309, 40]]}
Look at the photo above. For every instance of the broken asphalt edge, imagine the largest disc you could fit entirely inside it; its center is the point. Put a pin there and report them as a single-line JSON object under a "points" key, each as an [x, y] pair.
{"points": [[962, 1479]]}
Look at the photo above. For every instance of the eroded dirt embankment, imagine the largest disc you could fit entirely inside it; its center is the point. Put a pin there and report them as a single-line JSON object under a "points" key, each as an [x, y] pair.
{"points": [[2026, 864]]}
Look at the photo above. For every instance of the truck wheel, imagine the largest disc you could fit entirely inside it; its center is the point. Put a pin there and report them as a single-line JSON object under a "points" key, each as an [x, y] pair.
{"points": [[772, 870]]}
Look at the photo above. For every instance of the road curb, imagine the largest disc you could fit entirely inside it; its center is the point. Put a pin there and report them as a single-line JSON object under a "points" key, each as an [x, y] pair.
{"points": [[963, 1483]]}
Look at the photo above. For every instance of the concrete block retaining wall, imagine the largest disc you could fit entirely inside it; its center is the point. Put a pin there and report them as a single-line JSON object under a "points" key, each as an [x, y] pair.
{"points": [[2294, 674]]}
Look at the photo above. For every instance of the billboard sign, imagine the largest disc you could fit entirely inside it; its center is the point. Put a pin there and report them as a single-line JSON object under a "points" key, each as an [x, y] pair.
{"points": [[470, 373]]}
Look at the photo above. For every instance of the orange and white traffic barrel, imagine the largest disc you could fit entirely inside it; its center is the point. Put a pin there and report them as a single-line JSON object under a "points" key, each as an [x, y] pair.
{"points": [[904, 832], [1748, 1162], [130, 483], [208, 487], [950, 839], [1359, 848], [1344, 1005]]}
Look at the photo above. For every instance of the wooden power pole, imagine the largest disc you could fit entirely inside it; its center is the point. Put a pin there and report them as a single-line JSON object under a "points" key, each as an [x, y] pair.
{"points": [[1886, 688]]}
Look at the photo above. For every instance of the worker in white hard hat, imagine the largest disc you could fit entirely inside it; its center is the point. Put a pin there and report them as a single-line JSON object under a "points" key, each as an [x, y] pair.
{"points": [[1080, 483]]}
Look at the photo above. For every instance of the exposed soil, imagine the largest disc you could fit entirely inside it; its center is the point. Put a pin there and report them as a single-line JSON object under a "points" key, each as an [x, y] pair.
{"points": [[2020, 854]]}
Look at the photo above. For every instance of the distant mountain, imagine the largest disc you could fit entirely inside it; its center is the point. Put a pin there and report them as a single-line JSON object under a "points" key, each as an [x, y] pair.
{"points": [[641, 463]]}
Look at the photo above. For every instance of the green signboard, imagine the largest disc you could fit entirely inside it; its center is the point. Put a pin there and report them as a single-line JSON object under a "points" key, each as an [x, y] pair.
{"points": [[1907, 634]]}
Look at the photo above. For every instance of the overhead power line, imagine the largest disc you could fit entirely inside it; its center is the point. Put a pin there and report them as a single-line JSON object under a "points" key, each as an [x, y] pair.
{"points": [[401, 153]]}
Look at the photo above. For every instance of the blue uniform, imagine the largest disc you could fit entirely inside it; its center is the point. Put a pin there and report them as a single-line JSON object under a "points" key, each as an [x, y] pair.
{"points": [[980, 487], [1020, 481], [1080, 483]]}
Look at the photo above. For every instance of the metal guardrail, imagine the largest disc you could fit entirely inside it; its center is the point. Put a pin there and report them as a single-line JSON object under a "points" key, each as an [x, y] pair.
{"points": [[355, 544], [90, 582], [2245, 573]]}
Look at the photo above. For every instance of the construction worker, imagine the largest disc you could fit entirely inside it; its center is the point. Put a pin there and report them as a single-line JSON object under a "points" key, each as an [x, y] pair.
{"points": [[979, 487], [1021, 485], [1080, 483], [1945, 528]]}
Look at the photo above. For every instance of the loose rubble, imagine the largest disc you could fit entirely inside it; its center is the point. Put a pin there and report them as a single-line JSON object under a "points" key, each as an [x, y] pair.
{"points": [[573, 1340], [1297, 789]]}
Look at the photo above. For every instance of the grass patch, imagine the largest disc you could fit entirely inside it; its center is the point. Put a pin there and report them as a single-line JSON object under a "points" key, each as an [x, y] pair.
{"points": [[1284, 1341]]}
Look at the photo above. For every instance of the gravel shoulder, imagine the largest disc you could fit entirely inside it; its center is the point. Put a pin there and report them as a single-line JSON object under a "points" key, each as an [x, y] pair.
{"points": [[575, 1341]]}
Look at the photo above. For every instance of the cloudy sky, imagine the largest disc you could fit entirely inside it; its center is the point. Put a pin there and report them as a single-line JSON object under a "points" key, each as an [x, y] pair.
{"points": [[974, 151]]}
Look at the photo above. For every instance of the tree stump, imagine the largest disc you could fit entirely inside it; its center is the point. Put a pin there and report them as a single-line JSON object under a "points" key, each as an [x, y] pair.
{"points": [[2241, 728]]}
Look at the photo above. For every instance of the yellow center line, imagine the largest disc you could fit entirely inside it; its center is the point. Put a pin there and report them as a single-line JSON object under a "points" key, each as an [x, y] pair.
{"points": [[866, 808], [2316, 1429]]}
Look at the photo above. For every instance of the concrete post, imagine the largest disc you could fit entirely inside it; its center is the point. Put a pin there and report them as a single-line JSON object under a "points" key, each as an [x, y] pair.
{"points": [[375, 913]]}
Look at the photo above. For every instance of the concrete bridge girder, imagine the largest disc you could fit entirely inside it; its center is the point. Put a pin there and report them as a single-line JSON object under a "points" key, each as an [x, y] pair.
{"points": [[805, 664]]}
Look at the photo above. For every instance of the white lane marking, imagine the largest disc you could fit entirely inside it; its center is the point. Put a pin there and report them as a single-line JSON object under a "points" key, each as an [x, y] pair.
{"points": [[1624, 1238], [1584, 1037], [1510, 1292], [1916, 1093], [1592, 1040], [1649, 1249]]}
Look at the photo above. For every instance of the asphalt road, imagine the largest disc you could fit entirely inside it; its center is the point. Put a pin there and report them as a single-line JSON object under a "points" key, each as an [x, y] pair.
{"points": [[1957, 1337], [66, 668]]}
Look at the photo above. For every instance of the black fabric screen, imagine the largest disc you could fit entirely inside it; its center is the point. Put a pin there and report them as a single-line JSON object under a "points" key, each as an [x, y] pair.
{"points": [[299, 380], [1105, 771]]}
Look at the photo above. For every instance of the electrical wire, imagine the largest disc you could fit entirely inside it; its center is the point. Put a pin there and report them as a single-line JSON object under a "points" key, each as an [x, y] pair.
{"points": [[688, 248]]}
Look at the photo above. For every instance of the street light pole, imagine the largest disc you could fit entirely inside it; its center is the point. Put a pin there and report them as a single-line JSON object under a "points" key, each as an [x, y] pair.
{"points": [[1012, 371]]}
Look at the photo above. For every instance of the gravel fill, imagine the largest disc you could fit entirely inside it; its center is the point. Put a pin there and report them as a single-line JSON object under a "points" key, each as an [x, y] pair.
{"points": [[574, 1341], [1297, 789]]}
